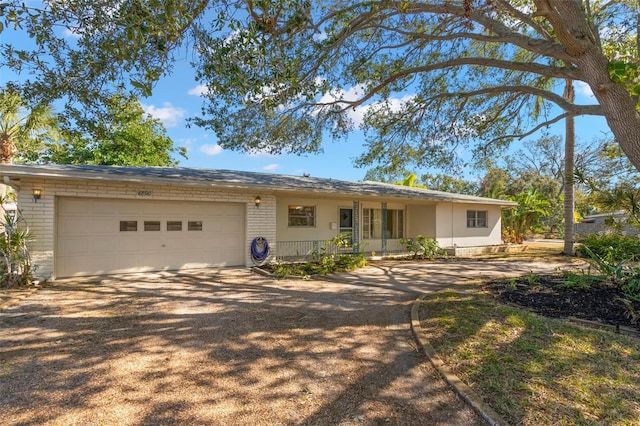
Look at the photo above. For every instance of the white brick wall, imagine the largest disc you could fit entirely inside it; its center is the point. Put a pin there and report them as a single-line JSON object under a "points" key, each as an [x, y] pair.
{"points": [[40, 216]]}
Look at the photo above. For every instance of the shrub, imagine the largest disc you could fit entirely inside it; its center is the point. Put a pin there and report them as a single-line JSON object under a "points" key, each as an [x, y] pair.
{"points": [[347, 262], [325, 261], [15, 261], [611, 247], [422, 246]]}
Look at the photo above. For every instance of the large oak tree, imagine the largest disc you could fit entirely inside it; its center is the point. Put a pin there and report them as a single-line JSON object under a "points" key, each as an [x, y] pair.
{"points": [[429, 76]]}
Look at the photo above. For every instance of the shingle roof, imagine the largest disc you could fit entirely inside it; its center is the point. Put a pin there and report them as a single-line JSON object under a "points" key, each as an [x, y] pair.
{"points": [[239, 180]]}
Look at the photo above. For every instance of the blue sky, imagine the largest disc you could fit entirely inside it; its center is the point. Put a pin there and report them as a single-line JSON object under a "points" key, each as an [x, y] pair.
{"points": [[176, 98]]}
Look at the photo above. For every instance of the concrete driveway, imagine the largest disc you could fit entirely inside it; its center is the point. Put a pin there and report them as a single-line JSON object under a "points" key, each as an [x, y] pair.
{"points": [[230, 347]]}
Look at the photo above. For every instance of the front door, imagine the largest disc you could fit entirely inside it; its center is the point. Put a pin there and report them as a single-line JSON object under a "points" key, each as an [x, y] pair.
{"points": [[346, 224]]}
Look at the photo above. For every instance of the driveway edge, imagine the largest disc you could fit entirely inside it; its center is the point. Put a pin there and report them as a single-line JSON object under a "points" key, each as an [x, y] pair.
{"points": [[462, 389]]}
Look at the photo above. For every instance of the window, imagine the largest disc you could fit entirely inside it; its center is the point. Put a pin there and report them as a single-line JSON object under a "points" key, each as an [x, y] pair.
{"points": [[476, 218], [372, 224], [128, 225], [174, 225], [151, 225], [302, 216], [194, 225]]}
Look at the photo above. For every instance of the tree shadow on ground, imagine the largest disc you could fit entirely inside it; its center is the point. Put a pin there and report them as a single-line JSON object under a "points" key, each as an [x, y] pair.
{"points": [[211, 348]]}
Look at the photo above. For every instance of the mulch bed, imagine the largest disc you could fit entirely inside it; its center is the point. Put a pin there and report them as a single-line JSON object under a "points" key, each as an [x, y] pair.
{"points": [[547, 295]]}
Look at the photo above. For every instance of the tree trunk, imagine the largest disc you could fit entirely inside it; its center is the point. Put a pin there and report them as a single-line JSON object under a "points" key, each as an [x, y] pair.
{"points": [[618, 107], [573, 31], [7, 149], [569, 148]]}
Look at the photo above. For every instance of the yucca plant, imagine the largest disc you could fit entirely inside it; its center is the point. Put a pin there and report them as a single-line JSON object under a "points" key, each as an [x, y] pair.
{"points": [[15, 261]]}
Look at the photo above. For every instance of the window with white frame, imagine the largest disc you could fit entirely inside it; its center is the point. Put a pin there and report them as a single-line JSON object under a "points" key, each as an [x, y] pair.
{"points": [[476, 219], [372, 224], [302, 216]]}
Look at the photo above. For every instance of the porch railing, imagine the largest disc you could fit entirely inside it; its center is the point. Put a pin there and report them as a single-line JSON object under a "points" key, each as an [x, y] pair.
{"points": [[292, 251], [395, 247]]}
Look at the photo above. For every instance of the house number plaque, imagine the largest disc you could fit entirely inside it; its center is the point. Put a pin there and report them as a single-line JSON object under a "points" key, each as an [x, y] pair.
{"points": [[145, 193]]}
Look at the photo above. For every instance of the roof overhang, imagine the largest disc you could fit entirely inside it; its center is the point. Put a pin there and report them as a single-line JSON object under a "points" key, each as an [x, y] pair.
{"points": [[239, 180]]}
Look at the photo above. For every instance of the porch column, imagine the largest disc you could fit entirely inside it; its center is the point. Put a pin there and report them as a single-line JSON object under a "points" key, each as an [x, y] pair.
{"points": [[356, 227], [384, 229]]}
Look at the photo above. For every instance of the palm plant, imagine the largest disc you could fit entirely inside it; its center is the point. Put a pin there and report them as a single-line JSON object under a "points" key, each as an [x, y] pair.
{"points": [[22, 131], [623, 198], [15, 261], [520, 219]]}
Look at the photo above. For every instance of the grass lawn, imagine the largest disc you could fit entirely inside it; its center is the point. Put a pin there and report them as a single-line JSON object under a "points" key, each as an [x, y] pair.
{"points": [[531, 369]]}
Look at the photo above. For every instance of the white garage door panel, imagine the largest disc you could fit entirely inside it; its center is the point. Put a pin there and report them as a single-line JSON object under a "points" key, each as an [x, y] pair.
{"points": [[127, 262], [74, 246], [89, 240], [179, 245], [150, 244], [79, 246], [76, 225], [104, 245]]}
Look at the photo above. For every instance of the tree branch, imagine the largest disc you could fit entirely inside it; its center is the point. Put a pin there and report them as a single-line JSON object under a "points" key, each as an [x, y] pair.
{"points": [[485, 62], [532, 131], [550, 96]]}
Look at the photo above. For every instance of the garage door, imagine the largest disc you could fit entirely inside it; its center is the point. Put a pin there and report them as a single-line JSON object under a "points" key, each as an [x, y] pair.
{"points": [[106, 236]]}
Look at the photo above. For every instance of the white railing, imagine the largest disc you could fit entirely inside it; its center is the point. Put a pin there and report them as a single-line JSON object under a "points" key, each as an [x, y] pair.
{"points": [[291, 251]]}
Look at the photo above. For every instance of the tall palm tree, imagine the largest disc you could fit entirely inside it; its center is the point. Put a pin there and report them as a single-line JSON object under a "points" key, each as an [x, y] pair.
{"points": [[569, 166], [23, 131]]}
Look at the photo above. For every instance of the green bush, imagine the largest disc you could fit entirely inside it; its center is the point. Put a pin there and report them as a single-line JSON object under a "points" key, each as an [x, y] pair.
{"points": [[611, 247], [325, 261], [422, 246], [15, 261], [610, 256], [348, 262]]}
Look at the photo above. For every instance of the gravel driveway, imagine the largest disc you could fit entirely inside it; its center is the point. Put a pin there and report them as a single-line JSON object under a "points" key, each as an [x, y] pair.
{"points": [[219, 347]]}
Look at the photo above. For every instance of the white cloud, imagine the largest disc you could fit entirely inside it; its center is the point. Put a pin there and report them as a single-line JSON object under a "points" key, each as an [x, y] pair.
{"points": [[168, 114], [583, 89], [211, 149], [320, 36], [349, 95], [272, 166], [199, 90], [356, 92], [352, 94], [68, 32], [187, 143]]}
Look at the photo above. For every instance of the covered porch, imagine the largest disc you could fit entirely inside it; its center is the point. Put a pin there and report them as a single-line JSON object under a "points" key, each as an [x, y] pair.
{"points": [[295, 251]]}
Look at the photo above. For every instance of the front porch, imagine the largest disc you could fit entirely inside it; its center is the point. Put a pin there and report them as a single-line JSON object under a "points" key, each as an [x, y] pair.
{"points": [[296, 251], [293, 251]]}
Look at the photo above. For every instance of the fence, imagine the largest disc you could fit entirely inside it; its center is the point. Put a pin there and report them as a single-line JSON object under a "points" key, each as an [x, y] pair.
{"points": [[292, 251]]}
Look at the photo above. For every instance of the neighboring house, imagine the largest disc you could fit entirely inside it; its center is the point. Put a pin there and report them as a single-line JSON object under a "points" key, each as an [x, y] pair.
{"points": [[89, 220], [597, 224]]}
